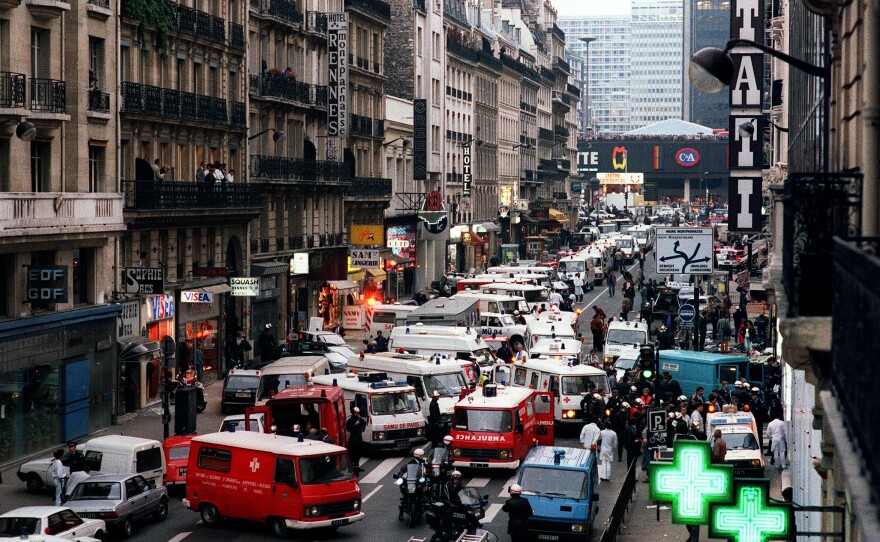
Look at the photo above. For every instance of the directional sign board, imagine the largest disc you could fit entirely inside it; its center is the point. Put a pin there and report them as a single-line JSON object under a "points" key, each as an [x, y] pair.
{"points": [[684, 251]]}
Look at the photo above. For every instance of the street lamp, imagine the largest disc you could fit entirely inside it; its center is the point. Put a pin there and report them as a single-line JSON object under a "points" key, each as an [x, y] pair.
{"points": [[276, 134], [25, 131]]}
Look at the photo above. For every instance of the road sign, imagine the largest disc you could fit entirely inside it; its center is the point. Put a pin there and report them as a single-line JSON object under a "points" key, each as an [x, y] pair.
{"points": [[685, 251], [656, 427], [368, 259], [687, 313]]}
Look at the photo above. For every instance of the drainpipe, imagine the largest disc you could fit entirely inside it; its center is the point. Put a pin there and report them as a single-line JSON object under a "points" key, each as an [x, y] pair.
{"points": [[871, 127]]}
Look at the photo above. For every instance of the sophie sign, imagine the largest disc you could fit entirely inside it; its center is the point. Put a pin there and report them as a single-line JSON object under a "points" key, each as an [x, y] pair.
{"points": [[337, 90]]}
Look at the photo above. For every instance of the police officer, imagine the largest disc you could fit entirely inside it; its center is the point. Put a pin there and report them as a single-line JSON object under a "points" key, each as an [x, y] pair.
{"points": [[665, 340], [434, 418], [355, 427], [451, 488], [74, 459], [519, 511]]}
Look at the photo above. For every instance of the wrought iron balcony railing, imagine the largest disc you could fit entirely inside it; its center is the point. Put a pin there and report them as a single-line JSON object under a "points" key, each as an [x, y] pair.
{"points": [[48, 95], [170, 195], [562, 65], [545, 133], [156, 101], [101, 3], [99, 102], [274, 85], [12, 89], [817, 207], [377, 8], [573, 90], [284, 10], [854, 341], [238, 116], [236, 36], [561, 131], [279, 168], [316, 22], [369, 187]]}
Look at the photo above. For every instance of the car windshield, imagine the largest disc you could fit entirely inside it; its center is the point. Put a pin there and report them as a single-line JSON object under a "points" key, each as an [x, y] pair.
{"points": [[565, 483], [325, 470], [344, 350], [638, 234], [448, 385], [515, 305], [484, 355], [572, 266], [576, 385], [333, 339], [96, 491], [178, 452], [272, 384], [626, 364], [401, 402], [742, 441], [12, 527], [624, 243], [487, 421], [238, 425], [241, 382], [625, 336]]}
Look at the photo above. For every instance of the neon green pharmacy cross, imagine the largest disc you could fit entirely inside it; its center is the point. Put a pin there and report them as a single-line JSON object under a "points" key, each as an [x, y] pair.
{"points": [[691, 482], [752, 518]]}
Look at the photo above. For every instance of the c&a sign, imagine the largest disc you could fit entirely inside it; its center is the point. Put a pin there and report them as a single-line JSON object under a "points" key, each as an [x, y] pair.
{"points": [[687, 157]]}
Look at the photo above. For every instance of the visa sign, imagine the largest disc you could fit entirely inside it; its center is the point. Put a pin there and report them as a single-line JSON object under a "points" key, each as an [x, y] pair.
{"points": [[196, 297], [687, 157]]}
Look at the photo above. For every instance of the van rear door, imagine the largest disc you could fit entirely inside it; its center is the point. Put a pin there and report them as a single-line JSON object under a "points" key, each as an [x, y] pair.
{"points": [[544, 417], [150, 463]]}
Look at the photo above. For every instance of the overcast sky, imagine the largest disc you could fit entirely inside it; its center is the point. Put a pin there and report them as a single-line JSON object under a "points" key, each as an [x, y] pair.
{"points": [[568, 8]]}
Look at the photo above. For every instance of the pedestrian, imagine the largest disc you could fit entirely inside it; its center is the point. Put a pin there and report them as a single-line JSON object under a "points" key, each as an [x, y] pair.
{"points": [[590, 434], [74, 459], [611, 282], [434, 418], [578, 288], [158, 171], [724, 331], [719, 447], [632, 442], [355, 427], [521, 355], [778, 445], [597, 327], [74, 479], [237, 349], [200, 361], [381, 342], [608, 439], [59, 474], [625, 307], [266, 342], [519, 511], [693, 533]]}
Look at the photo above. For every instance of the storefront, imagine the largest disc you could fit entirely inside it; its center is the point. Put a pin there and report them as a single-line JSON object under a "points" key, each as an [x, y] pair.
{"points": [[41, 356], [333, 297], [199, 319], [266, 307], [468, 250], [159, 313], [400, 258], [140, 361]]}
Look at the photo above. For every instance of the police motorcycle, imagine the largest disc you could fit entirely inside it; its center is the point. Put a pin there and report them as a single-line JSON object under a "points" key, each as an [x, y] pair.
{"points": [[440, 467], [414, 488], [450, 521]]}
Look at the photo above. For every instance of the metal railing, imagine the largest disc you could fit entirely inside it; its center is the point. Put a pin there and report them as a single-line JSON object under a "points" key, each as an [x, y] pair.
{"points": [[238, 114], [170, 103], [297, 169], [101, 3], [561, 131], [854, 343], [520, 68], [545, 133], [561, 64], [528, 108], [817, 208], [48, 95], [573, 90], [547, 74], [377, 8], [99, 101], [558, 32], [281, 9], [12, 89], [462, 51], [218, 30], [369, 187], [621, 505], [236, 36], [316, 22], [271, 85], [161, 195]]}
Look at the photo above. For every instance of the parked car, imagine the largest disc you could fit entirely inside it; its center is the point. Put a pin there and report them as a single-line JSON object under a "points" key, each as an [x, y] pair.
{"points": [[236, 422], [239, 389], [120, 500], [57, 521], [176, 457]]}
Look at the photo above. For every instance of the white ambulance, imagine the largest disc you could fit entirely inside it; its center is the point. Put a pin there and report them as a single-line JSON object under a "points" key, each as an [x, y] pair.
{"points": [[740, 432], [547, 329], [568, 383], [392, 410], [386, 317], [624, 336], [561, 350], [462, 344]]}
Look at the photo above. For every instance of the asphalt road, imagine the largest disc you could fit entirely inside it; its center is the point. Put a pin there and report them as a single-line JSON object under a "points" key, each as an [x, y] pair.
{"points": [[380, 495]]}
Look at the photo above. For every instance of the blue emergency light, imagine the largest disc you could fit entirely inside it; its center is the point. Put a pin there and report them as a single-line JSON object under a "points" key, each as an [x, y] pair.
{"points": [[558, 455]]}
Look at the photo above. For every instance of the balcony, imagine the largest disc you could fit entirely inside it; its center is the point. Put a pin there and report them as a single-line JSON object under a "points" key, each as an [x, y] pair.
{"points": [[559, 33], [12, 91], [817, 208], [99, 102], [236, 37], [462, 51], [47, 9], [281, 10], [48, 95], [547, 74], [533, 109], [33, 214], [373, 8], [489, 60], [99, 9], [316, 23], [545, 134], [561, 100], [854, 344], [560, 64], [561, 132], [238, 114], [369, 187], [298, 170], [171, 195], [573, 90], [367, 127], [277, 86], [153, 101], [101, 3], [520, 68]]}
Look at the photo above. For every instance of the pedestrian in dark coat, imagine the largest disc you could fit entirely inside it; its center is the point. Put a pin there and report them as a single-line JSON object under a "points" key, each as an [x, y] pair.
{"points": [[519, 511], [355, 427]]}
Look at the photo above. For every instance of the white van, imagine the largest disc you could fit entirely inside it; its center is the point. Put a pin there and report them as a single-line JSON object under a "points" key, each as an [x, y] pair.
{"points": [[385, 317], [560, 350], [111, 454], [627, 245], [582, 263], [288, 373], [447, 311], [532, 293], [498, 304], [623, 336], [425, 374], [456, 343], [542, 330], [741, 435], [392, 410], [567, 382], [644, 236]]}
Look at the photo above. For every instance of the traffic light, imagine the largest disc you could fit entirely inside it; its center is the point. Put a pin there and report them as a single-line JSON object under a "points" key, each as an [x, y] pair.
{"points": [[646, 361]]}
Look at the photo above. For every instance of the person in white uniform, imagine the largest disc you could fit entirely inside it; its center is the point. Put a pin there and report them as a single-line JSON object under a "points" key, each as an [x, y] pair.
{"points": [[589, 435], [607, 449], [778, 445], [578, 287]]}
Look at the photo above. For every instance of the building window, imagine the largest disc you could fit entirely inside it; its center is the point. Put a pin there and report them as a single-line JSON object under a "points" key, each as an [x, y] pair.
{"points": [[40, 166], [5, 181], [81, 269], [39, 52], [96, 169], [435, 46], [435, 138], [96, 62]]}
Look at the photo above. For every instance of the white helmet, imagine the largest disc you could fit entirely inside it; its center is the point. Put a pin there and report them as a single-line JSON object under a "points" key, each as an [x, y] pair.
{"points": [[682, 398], [356, 410], [515, 489], [625, 405], [448, 440], [456, 473], [419, 453]]}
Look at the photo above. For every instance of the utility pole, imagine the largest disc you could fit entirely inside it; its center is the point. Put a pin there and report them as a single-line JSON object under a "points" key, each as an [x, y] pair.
{"points": [[169, 347]]}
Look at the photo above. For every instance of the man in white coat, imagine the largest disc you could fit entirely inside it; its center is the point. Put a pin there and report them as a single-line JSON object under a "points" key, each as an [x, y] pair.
{"points": [[776, 434], [578, 283], [589, 435], [607, 449]]}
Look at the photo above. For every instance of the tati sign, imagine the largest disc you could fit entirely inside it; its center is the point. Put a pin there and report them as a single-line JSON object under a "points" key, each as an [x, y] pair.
{"points": [[365, 258], [245, 286]]}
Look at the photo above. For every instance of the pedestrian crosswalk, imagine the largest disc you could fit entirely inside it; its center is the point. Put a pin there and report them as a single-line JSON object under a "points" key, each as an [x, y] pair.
{"points": [[382, 470]]}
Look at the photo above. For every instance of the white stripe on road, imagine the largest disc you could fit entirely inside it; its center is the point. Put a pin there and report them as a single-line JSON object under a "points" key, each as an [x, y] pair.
{"points": [[491, 512], [589, 304], [513, 479], [477, 482], [371, 493], [381, 470], [180, 537]]}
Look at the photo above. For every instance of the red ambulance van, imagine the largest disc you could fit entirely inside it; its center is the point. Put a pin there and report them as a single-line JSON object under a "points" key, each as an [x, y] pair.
{"points": [[302, 404], [495, 427], [271, 479]]}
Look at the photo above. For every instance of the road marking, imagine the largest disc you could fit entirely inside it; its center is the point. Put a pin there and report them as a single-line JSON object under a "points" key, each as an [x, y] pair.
{"points": [[477, 482], [180, 537], [605, 287], [504, 492], [491, 512], [381, 470], [371, 493]]}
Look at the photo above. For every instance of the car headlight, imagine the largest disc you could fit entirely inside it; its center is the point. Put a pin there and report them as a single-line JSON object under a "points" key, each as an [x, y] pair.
{"points": [[568, 414], [756, 462], [378, 435], [310, 511], [575, 528], [356, 505], [399, 481], [456, 452], [504, 454], [420, 431]]}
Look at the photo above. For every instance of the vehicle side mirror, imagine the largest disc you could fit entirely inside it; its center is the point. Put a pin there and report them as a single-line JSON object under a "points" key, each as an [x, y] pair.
{"points": [[595, 497], [152, 484], [394, 476], [291, 480]]}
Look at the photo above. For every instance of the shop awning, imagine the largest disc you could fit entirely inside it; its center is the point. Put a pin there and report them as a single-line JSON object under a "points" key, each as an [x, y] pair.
{"points": [[489, 226], [527, 217], [133, 350], [472, 238], [343, 284], [558, 216], [217, 289], [377, 274], [268, 268], [388, 255]]}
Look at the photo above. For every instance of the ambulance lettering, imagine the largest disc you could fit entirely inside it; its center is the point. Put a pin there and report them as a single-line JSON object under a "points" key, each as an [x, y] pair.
{"points": [[480, 438], [390, 426]]}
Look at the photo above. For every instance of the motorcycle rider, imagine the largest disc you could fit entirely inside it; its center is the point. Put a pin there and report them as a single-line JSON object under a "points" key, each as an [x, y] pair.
{"points": [[519, 511], [451, 504], [418, 458]]}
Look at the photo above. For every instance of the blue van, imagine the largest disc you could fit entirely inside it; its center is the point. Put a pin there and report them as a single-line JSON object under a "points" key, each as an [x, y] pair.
{"points": [[560, 484], [706, 369]]}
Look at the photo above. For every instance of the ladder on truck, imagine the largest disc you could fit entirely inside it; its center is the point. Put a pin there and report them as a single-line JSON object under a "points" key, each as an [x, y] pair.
{"points": [[484, 537]]}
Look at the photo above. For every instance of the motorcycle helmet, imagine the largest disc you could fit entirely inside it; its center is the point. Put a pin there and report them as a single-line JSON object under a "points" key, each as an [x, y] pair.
{"points": [[419, 453], [456, 474], [356, 410], [515, 489], [448, 440]]}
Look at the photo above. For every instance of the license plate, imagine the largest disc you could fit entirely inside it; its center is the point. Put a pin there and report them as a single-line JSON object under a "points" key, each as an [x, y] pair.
{"points": [[480, 465], [548, 537], [401, 444], [181, 471], [336, 522], [242, 394]]}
